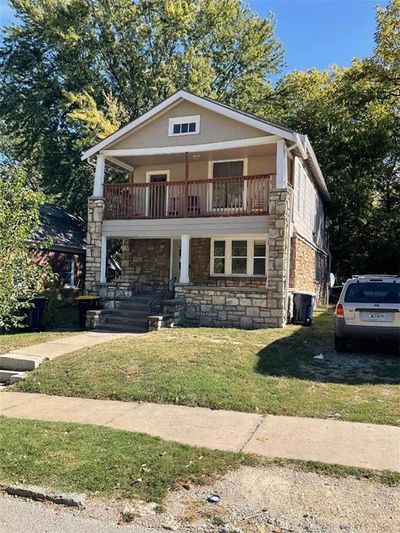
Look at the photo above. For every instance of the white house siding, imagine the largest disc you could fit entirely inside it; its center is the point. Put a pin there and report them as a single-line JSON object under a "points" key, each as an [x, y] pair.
{"points": [[308, 216]]}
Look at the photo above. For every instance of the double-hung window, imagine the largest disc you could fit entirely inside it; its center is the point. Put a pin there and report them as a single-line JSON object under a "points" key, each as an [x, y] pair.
{"points": [[238, 257], [69, 273]]}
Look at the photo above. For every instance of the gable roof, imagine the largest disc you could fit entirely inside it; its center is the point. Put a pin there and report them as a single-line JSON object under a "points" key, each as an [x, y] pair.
{"points": [[212, 105], [65, 231], [259, 123]]}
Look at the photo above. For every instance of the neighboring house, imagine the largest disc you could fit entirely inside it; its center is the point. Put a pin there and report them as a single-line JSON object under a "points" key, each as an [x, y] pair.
{"points": [[230, 204], [66, 251]]}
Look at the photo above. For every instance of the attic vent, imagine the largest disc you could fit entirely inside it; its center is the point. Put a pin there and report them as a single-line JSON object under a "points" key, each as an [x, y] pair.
{"points": [[184, 125]]}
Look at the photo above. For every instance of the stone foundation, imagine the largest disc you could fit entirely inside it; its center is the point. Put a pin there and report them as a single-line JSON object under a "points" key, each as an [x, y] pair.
{"points": [[94, 317], [247, 308]]}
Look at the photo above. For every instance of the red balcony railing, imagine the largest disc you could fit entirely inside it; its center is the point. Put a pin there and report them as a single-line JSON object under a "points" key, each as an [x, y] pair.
{"points": [[234, 196]]}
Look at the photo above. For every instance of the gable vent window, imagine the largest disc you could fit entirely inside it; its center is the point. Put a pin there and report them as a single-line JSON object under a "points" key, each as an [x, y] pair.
{"points": [[184, 125]]}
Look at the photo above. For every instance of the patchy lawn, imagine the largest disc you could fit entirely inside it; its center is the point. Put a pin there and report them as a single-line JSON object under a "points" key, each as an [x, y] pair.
{"points": [[102, 461], [65, 322], [267, 371]]}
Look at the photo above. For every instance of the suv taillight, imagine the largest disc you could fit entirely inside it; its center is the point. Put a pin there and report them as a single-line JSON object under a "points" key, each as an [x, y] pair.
{"points": [[339, 310]]}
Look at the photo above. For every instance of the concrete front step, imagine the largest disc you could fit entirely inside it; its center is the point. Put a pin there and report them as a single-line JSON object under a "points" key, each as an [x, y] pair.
{"points": [[129, 313], [120, 328], [137, 301], [111, 319], [18, 362], [140, 298], [11, 376]]}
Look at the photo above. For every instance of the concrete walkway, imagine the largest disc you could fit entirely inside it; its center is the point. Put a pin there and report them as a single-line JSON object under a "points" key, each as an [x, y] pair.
{"points": [[328, 441], [63, 345]]}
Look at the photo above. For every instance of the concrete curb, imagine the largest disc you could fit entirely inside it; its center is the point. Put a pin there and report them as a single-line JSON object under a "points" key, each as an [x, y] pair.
{"points": [[42, 494]]}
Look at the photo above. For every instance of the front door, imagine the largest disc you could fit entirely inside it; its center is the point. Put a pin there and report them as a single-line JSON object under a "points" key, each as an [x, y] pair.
{"points": [[157, 196]]}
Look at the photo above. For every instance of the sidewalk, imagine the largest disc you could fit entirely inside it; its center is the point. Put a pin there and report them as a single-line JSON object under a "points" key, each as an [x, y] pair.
{"points": [[63, 345], [327, 441]]}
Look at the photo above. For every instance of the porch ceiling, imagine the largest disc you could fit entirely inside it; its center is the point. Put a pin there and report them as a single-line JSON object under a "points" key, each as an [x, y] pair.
{"points": [[232, 153]]}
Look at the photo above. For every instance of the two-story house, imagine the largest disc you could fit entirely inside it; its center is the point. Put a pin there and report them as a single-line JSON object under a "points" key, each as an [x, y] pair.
{"points": [[229, 204]]}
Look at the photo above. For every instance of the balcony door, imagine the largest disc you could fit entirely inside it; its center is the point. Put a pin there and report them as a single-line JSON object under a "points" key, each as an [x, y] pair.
{"points": [[228, 194], [157, 193]]}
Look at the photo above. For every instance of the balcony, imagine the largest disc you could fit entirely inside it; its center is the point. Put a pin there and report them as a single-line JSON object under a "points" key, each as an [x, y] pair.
{"points": [[218, 197]]}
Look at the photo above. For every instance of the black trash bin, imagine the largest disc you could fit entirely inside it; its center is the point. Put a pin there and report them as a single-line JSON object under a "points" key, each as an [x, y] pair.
{"points": [[86, 303], [303, 308], [33, 316]]}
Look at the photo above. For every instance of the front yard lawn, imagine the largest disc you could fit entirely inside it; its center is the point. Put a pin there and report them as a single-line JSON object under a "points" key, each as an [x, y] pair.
{"points": [[268, 371], [102, 461]]}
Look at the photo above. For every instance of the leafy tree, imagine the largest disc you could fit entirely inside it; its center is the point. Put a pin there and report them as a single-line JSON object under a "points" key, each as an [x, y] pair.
{"points": [[352, 117], [72, 71], [19, 216]]}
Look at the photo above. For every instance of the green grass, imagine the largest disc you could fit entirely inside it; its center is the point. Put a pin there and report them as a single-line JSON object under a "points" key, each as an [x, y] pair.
{"points": [[65, 322], [110, 463], [267, 371], [104, 462]]}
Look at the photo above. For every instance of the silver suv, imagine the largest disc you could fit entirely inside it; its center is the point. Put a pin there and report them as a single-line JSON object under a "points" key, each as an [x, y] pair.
{"points": [[368, 307]]}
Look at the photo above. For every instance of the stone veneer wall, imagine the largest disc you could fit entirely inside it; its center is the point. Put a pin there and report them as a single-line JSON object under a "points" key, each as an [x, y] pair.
{"points": [[93, 246], [243, 306], [303, 269], [145, 263], [238, 307], [278, 234]]}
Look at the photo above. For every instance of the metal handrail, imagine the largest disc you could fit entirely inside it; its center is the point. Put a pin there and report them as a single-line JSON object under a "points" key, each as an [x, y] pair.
{"points": [[167, 291]]}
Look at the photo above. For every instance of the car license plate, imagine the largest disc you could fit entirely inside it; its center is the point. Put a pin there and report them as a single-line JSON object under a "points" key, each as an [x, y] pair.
{"points": [[377, 316]]}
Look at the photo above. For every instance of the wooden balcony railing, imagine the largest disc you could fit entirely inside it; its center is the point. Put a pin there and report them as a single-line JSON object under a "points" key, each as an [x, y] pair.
{"points": [[237, 196]]}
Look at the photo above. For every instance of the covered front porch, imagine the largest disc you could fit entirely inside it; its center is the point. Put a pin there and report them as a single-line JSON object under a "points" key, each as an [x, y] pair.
{"points": [[147, 264], [220, 179]]}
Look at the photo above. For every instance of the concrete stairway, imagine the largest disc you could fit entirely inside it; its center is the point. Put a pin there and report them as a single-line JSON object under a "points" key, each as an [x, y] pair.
{"points": [[130, 316], [13, 367]]}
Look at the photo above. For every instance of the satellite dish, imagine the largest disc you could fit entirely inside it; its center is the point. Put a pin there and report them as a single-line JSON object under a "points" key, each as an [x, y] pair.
{"points": [[331, 279]]}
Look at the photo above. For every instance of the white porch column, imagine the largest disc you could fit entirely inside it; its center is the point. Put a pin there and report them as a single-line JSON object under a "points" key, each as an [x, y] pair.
{"points": [[99, 176], [185, 254], [281, 165], [103, 260]]}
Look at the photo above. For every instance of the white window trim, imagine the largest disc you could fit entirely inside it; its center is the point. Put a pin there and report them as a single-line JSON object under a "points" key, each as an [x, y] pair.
{"points": [[183, 120], [211, 175], [72, 284], [150, 173], [250, 256]]}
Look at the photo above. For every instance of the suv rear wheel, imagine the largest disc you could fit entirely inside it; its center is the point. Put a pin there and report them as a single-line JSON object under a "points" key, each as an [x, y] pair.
{"points": [[340, 344]]}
